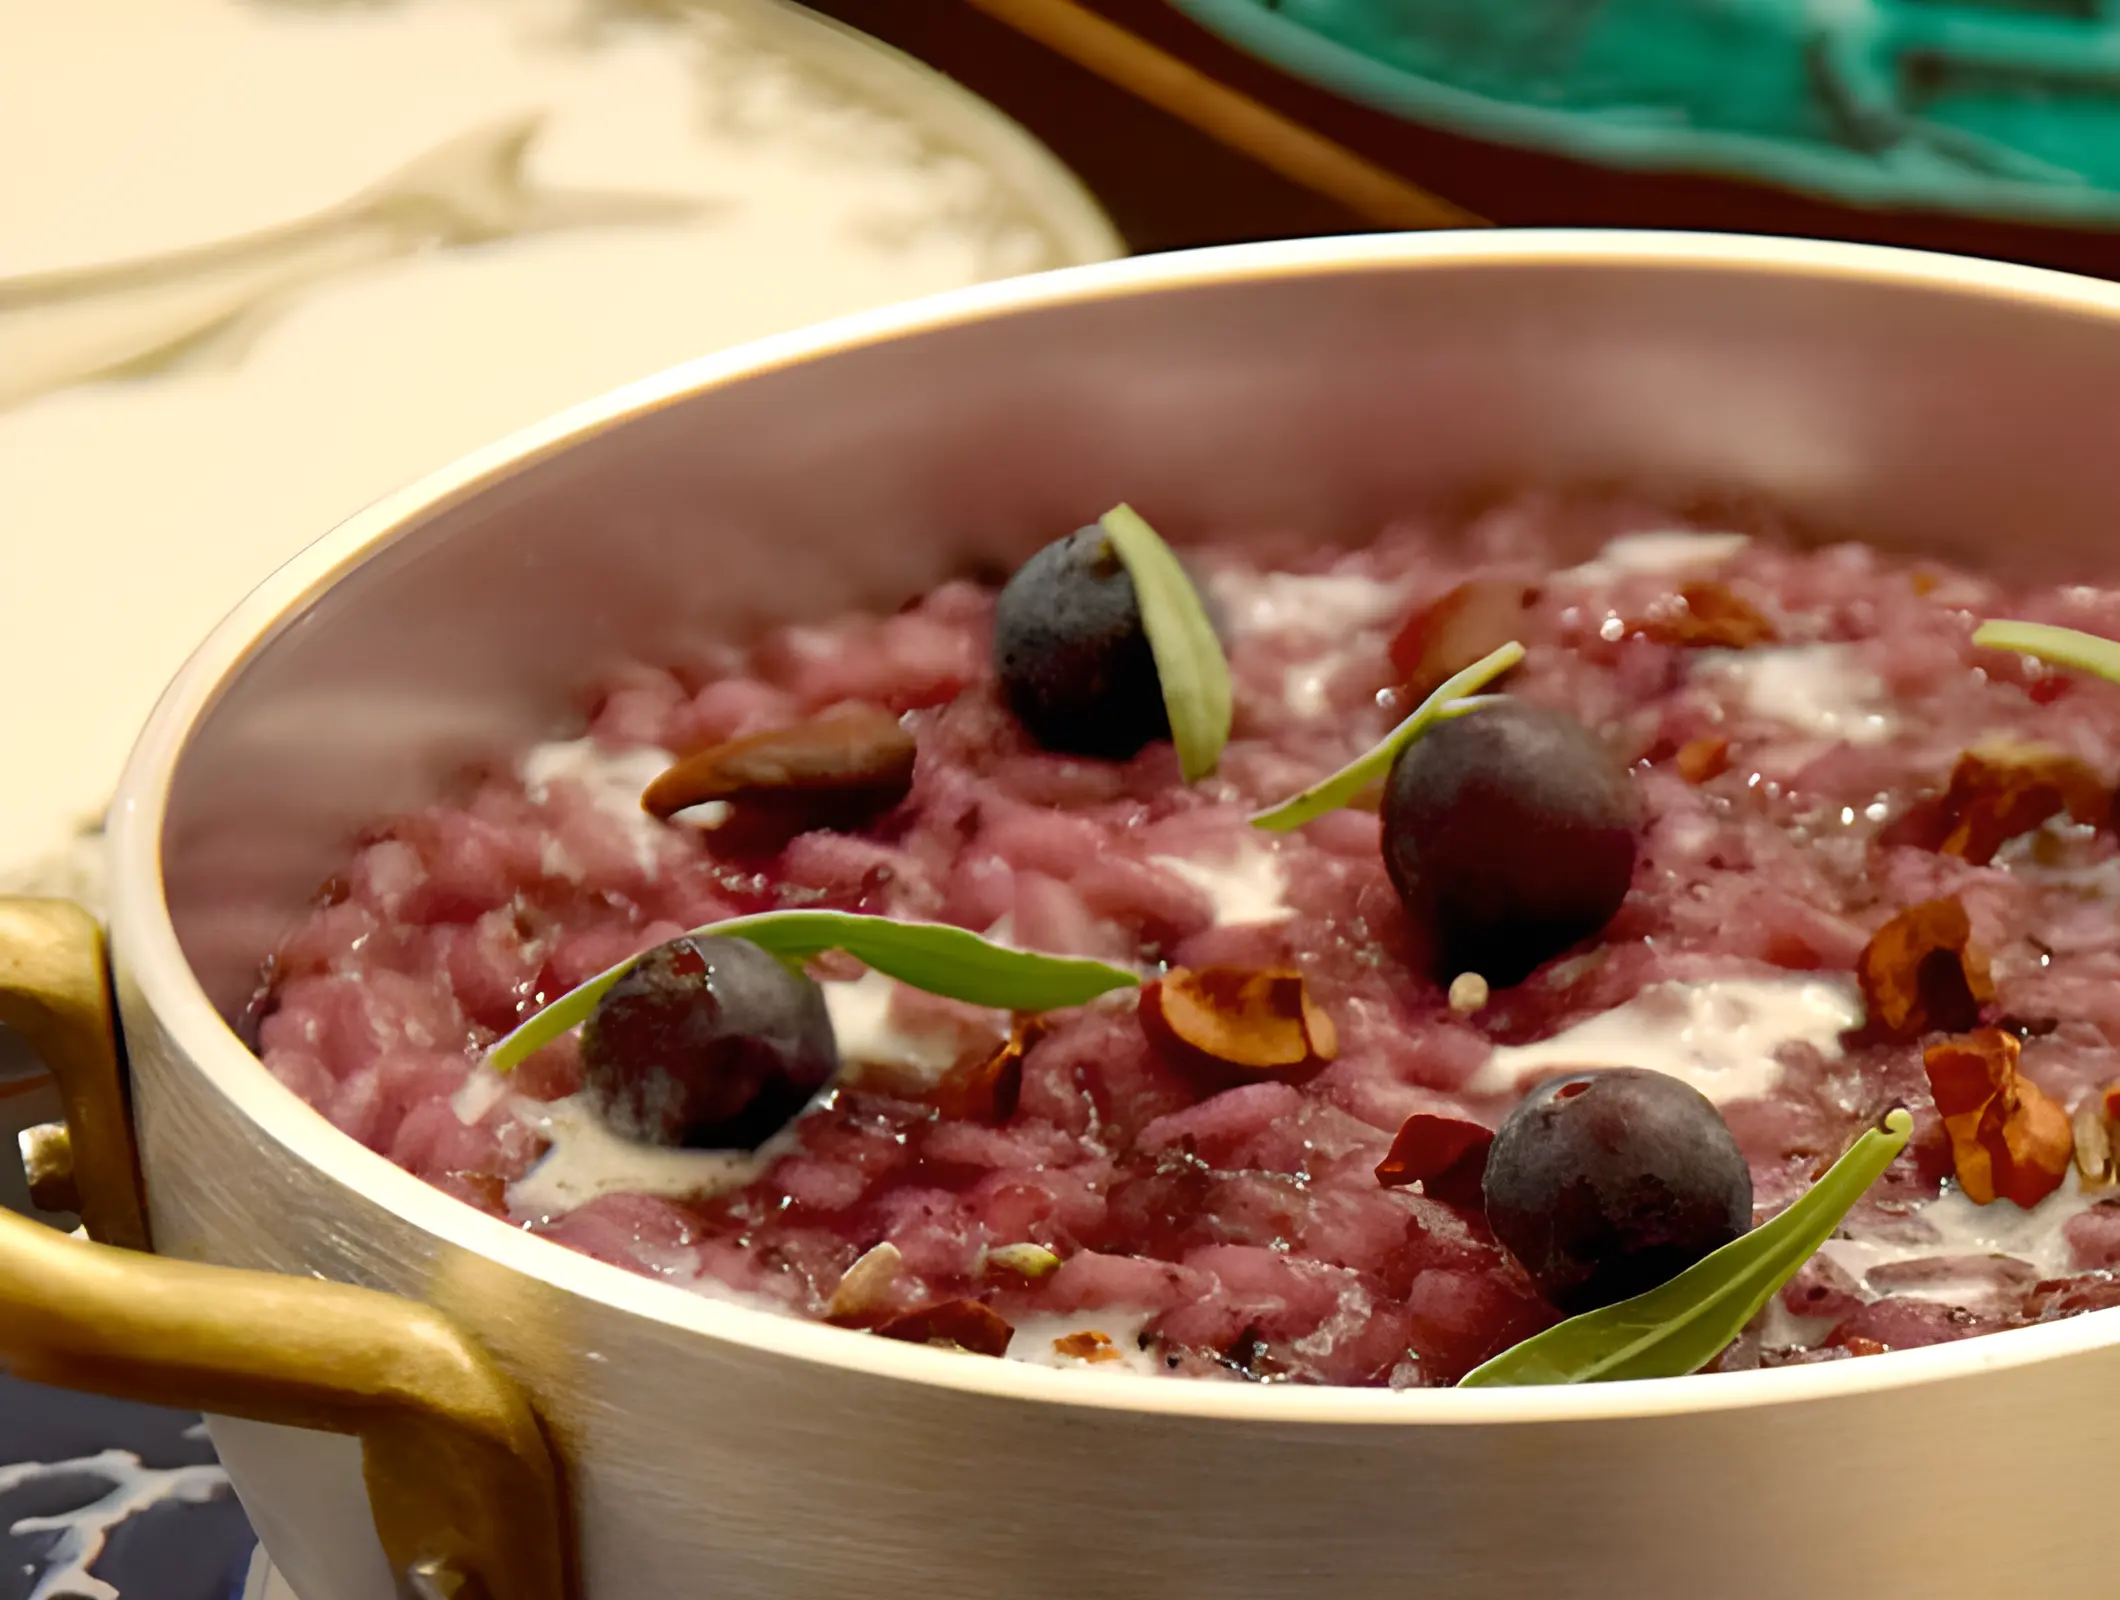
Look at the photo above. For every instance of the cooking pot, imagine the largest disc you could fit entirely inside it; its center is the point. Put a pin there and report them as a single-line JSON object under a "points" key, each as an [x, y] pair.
{"points": [[527, 1423]]}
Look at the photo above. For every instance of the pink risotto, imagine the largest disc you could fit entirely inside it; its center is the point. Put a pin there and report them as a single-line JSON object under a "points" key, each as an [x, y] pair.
{"points": [[1860, 844]]}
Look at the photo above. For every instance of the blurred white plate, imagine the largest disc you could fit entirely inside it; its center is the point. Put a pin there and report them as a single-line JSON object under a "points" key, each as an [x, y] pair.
{"points": [[345, 157]]}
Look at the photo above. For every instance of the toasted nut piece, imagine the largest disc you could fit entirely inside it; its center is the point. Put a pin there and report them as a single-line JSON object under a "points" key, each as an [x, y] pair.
{"points": [[2009, 1138], [1921, 972], [2094, 1144], [1999, 790], [857, 754], [1698, 760], [965, 1324], [1708, 615], [987, 1088], [1027, 1260], [1261, 1019], [1475, 619], [1468, 993], [1446, 1156], [865, 1289], [1086, 1345]]}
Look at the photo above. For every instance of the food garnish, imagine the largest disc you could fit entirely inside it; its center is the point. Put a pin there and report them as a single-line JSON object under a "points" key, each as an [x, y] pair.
{"points": [[2096, 1131], [1468, 994], [1681, 1326], [1446, 1156], [857, 758], [967, 1325], [1087, 1345], [864, 1290], [1190, 666], [1473, 620], [1259, 1019], [2060, 647], [931, 956], [1102, 644], [708, 1042], [1698, 760], [1707, 615], [1921, 973], [1607, 1182], [1510, 834], [1451, 699], [1025, 1260], [987, 1089], [1997, 791], [2009, 1138]]}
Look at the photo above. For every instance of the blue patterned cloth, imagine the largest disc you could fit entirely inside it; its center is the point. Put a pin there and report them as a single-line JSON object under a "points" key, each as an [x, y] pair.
{"points": [[128, 1494]]}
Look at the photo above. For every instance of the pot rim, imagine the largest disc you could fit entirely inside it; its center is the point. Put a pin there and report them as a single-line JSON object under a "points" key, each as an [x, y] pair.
{"points": [[150, 958]]}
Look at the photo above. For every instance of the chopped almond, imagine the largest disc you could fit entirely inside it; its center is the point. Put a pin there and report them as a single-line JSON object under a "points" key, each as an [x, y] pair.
{"points": [[2008, 1137], [1699, 760], [1921, 972], [1087, 1345], [987, 1088], [963, 1324], [1708, 615], [1445, 637], [1447, 1157], [857, 757], [1259, 1018], [1998, 791]]}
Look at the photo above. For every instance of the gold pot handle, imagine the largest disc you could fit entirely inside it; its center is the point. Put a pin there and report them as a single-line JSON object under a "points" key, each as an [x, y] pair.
{"points": [[55, 993], [467, 1500]]}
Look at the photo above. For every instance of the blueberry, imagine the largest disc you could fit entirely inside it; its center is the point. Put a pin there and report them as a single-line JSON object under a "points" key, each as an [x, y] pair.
{"points": [[1071, 652], [707, 1042], [1605, 1184], [1510, 833]]}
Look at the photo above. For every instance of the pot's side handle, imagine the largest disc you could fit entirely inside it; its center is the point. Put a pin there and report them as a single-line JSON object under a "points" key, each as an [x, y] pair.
{"points": [[55, 993], [467, 1501]]}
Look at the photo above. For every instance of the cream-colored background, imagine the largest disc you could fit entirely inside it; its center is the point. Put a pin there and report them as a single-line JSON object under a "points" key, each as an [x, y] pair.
{"points": [[134, 513]]}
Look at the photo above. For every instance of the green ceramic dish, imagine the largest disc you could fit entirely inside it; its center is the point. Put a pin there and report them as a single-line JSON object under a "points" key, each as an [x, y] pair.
{"points": [[2008, 110]]}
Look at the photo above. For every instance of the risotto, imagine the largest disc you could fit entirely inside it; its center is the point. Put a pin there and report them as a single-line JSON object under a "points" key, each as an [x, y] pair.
{"points": [[1823, 857]]}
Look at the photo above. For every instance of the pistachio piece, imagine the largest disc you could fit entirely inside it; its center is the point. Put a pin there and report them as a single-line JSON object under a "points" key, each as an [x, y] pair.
{"points": [[1026, 1259], [865, 1289]]}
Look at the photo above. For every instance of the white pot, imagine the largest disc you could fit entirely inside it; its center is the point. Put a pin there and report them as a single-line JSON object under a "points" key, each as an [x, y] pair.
{"points": [[711, 1450]]}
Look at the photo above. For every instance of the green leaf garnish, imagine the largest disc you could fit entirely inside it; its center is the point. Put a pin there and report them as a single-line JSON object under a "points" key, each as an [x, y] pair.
{"points": [[1189, 661], [2064, 647], [1681, 1326], [927, 955], [1449, 700]]}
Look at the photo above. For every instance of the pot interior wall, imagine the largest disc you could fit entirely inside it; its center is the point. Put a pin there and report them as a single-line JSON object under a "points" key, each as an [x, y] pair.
{"points": [[1966, 420]]}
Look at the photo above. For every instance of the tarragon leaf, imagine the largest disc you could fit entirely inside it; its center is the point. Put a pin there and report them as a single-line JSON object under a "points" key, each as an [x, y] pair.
{"points": [[1453, 698], [1680, 1326], [927, 955], [1189, 661], [2063, 647]]}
